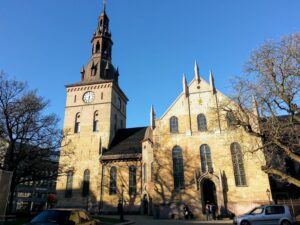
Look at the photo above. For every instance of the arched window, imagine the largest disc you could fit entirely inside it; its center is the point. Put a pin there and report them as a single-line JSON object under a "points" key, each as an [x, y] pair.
{"points": [[238, 164], [178, 172], [231, 121], [205, 157], [145, 172], [68, 192], [132, 180], [86, 183], [97, 47], [113, 181], [77, 123], [96, 121], [173, 124], [201, 121]]}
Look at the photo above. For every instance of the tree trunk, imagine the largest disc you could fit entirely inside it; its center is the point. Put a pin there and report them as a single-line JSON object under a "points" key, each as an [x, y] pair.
{"points": [[11, 194]]}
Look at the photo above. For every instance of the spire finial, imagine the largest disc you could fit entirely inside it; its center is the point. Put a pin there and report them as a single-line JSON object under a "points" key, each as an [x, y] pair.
{"points": [[104, 5]]}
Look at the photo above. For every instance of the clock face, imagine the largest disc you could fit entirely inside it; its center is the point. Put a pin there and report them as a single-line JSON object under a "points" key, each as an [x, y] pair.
{"points": [[88, 97]]}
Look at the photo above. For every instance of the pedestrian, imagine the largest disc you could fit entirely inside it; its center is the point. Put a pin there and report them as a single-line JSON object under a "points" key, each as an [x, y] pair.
{"points": [[213, 211], [207, 210], [186, 212], [120, 210]]}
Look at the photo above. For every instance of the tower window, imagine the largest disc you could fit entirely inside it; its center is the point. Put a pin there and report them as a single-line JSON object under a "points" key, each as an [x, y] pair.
{"points": [[132, 180], [94, 69], [97, 47], [178, 173], [96, 122], [77, 123], [116, 121], [173, 124], [75, 98], [238, 164], [113, 181], [101, 95], [201, 121], [119, 103], [86, 183], [205, 157], [68, 192]]}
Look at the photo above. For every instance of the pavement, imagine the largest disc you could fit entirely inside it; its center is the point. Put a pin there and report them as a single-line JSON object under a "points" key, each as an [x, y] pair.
{"points": [[148, 220]]}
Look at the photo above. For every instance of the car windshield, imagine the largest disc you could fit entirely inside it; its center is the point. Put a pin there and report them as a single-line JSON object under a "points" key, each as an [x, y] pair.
{"points": [[257, 210], [52, 216]]}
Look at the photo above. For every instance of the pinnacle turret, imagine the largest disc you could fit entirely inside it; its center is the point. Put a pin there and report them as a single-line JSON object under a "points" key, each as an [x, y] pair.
{"points": [[212, 82], [152, 117], [196, 70], [185, 86]]}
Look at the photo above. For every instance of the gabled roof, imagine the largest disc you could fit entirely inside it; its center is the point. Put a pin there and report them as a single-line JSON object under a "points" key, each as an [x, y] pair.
{"points": [[126, 143]]}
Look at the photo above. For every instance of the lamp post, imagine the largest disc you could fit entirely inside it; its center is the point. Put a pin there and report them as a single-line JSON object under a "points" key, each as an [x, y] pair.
{"points": [[121, 204], [269, 195]]}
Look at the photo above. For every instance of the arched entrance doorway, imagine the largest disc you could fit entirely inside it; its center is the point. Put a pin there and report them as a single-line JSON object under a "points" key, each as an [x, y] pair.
{"points": [[209, 193]]}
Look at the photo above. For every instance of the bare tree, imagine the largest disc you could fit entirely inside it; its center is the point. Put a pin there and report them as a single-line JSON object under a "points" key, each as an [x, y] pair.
{"points": [[29, 136], [267, 101]]}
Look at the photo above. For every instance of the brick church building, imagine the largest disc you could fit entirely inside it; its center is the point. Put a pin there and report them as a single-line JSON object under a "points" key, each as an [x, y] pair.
{"points": [[191, 155]]}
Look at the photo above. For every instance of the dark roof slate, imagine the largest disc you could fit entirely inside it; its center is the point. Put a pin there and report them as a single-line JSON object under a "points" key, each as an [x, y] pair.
{"points": [[127, 141]]}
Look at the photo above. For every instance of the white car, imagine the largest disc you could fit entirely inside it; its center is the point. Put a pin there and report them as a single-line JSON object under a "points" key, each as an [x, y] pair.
{"points": [[266, 215]]}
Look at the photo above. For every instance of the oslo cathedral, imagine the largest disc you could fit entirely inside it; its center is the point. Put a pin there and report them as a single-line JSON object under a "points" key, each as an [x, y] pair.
{"points": [[190, 156]]}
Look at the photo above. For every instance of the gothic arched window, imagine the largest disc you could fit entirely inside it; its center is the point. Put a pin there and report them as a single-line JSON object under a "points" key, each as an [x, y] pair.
{"points": [[113, 181], [238, 164], [178, 172], [231, 121], [205, 157], [68, 192], [96, 121], [201, 121], [86, 183], [173, 124], [77, 123], [132, 180], [152, 171]]}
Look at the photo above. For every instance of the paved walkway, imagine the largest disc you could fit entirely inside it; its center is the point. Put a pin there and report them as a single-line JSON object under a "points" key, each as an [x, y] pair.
{"points": [[148, 220]]}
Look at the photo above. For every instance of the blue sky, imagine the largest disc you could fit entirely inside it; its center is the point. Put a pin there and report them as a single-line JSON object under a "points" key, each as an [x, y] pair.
{"points": [[46, 42]]}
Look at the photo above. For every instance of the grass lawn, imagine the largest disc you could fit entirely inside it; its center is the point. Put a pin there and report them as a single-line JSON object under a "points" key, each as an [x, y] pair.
{"points": [[107, 220]]}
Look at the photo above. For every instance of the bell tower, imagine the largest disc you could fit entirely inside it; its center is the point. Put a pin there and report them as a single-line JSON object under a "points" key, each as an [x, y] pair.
{"points": [[95, 110]]}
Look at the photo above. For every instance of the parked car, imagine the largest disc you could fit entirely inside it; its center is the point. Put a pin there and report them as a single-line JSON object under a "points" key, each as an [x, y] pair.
{"points": [[266, 214], [63, 217]]}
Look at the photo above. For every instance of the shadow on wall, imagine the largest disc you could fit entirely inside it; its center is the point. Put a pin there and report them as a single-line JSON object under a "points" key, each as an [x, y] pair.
{"points": [[92, 204], [76, 199], [170, 202]]}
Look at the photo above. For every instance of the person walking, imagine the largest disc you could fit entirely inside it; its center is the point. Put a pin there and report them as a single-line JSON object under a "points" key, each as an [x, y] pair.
{"points": [[207, 211], [213, 211]]}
